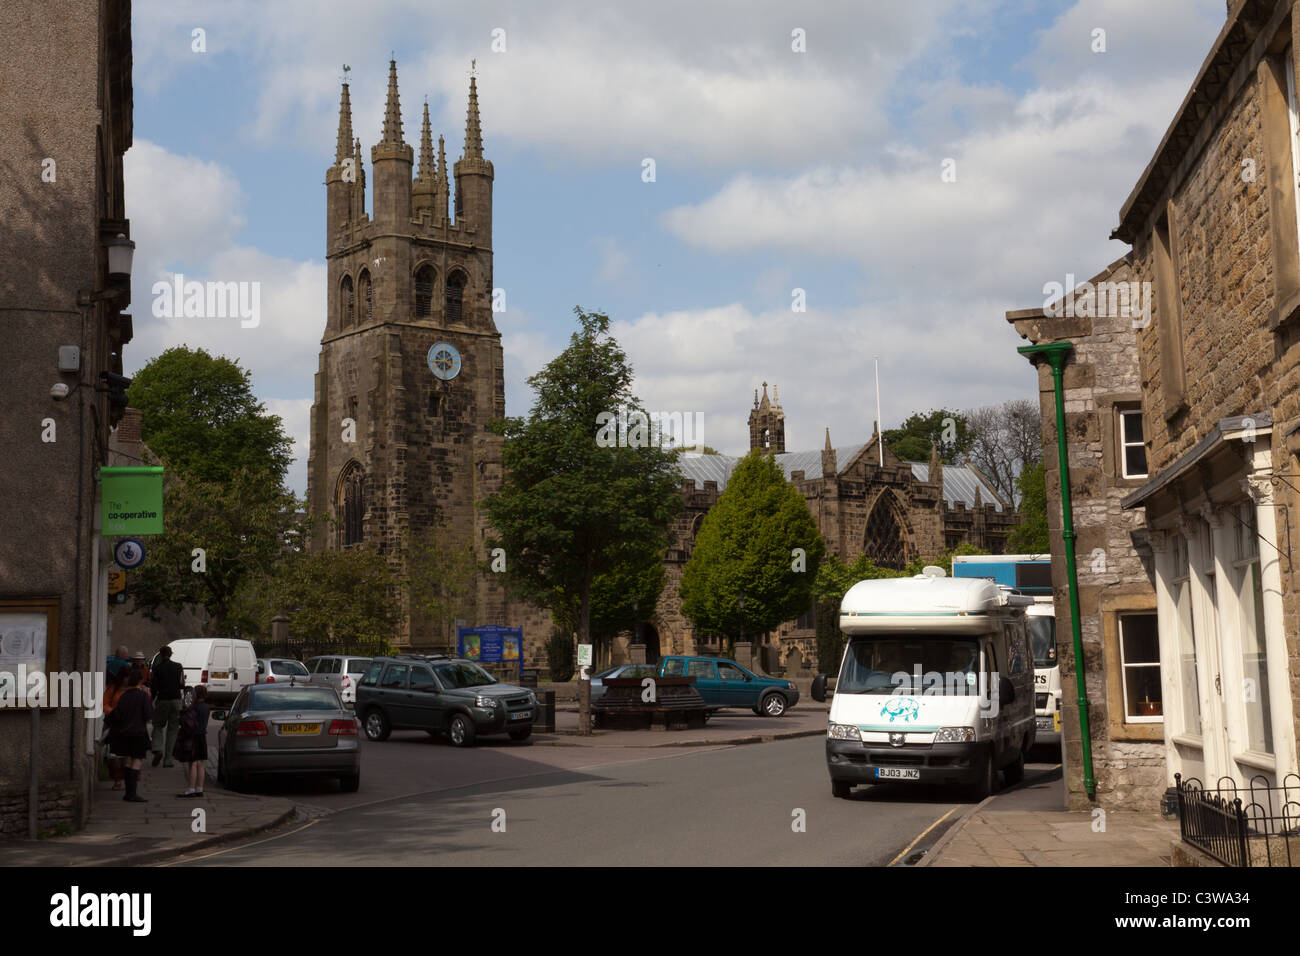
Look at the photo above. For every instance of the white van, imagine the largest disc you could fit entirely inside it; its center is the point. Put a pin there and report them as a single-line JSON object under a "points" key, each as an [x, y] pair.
{"points": [[1047, 670], [225, 664], [936, 685]]}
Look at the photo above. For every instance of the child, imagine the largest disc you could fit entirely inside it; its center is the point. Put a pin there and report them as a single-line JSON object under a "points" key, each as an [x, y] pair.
{"points": [[192, 741]]}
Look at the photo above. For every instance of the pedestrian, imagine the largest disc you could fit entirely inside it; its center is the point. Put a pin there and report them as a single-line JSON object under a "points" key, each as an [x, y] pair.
{"points": [[116, 685], [119, 660], [192, 744], [167, 687], [137, 660], [130, 731]]}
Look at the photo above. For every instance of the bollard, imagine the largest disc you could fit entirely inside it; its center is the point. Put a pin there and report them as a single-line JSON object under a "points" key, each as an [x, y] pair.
{"points": [[545, 711]]}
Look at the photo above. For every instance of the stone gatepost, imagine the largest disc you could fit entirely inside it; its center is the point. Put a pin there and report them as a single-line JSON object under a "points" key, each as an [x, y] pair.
{"points": [[638, 654], [280, 633], [745, 654]]}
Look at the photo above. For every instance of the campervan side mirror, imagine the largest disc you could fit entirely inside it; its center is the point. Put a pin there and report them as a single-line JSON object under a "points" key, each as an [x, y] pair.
{"points": [[819, 688], [1006, 692]]}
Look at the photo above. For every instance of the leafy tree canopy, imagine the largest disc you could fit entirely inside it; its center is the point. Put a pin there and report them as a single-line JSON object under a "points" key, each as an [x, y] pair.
{"points": [[199, 415], [1031, 535], [947, 431], [746, 547]]}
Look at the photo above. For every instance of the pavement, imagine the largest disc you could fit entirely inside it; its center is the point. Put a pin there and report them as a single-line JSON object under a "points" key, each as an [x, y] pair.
{"points": [[122, 834], [1028, 826]]}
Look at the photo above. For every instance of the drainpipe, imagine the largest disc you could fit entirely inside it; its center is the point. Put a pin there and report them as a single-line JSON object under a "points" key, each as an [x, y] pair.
{"points": [[1056, 353]]}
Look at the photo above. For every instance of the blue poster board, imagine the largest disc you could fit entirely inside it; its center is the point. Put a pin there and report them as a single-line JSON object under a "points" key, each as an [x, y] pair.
{"points": [[491, 643]]}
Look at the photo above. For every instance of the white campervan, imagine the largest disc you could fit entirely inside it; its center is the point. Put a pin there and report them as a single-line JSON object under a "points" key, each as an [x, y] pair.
{"points": [[225, 664], [936, 684]]}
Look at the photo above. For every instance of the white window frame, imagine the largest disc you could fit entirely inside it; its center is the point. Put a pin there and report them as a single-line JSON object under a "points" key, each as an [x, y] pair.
{"points": [[1125, 666], [1293, 112], [1125, 444]]}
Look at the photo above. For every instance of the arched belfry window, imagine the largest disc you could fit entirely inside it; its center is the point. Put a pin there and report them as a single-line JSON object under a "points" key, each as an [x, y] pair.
{"points": [[351, 506], [367, 299], [885, 543], [424, 291], [347, 304], [455, 297]]}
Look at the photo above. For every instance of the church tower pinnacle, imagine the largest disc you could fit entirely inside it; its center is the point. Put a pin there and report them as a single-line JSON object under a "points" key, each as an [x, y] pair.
{"points": [[767, 425], [422, 193], [392, 160], [474, 178]]}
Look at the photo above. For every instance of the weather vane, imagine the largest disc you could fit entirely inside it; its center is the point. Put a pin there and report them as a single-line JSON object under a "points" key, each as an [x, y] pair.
{"points": [[473, 67], [346, 70]]}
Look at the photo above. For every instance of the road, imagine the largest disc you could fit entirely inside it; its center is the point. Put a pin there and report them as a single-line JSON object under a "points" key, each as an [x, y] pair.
{"points": [[424, 802]]}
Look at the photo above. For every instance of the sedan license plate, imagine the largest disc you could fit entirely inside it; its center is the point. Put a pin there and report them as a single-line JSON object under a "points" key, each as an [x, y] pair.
{"points": [[522, 715], [897, 773], [299, 729]]}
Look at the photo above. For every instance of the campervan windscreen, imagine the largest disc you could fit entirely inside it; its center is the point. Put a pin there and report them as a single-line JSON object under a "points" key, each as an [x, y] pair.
{"points": [[914, 664], [1042, 639]]}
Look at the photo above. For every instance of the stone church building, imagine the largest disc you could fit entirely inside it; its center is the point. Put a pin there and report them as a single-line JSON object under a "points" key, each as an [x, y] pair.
{"points": [[411, 366], [411, 373], [864, 498]]}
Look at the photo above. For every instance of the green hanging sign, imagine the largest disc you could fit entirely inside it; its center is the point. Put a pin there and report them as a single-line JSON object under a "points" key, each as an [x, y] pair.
{"points": [[131, 500]]}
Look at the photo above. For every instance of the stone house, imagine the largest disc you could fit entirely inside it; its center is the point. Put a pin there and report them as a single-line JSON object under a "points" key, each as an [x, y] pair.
{"points": [[1104, 429], [66, 124], [1213, 227]]}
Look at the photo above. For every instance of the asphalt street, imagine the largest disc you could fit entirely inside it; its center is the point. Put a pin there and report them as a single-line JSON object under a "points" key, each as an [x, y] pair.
{"points": [[424, 802]]}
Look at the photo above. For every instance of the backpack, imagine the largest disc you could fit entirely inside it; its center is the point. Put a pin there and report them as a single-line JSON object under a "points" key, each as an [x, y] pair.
{"points": [[189, 723]]}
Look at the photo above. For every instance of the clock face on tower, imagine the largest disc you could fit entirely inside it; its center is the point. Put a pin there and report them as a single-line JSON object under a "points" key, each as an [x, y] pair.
{"points": [[444, 361]]}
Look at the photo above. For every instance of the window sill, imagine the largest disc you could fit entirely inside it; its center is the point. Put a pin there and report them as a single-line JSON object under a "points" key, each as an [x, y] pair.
{"points": [[1253, 758], [1284, 313], [1186, 740]]}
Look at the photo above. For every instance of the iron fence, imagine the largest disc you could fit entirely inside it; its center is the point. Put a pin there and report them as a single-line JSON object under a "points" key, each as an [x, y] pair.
{"points": [[1254, 825]]}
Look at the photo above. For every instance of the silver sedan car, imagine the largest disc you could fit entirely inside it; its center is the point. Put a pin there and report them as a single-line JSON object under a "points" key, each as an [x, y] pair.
{"points": [[286, 730]]}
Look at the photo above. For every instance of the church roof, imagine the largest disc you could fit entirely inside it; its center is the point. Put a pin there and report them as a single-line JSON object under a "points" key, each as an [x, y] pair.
{"points": [[959, 483]]}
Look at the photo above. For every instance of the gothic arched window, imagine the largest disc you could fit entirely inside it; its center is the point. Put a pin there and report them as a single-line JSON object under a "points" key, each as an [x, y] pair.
{"points": [[351, 506], [424, 291], [367, 298], [885, 542], [347, 304], [455, 297]]}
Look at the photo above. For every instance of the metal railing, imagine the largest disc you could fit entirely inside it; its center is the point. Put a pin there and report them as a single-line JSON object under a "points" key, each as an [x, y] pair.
{"points": [[1254, 825]]}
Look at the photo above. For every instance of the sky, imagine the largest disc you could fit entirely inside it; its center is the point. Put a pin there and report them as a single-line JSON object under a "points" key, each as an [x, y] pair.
{"points": [[909, 172]]}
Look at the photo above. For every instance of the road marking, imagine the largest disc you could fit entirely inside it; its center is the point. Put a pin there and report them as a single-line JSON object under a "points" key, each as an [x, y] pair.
{"points": [[921, 836]]}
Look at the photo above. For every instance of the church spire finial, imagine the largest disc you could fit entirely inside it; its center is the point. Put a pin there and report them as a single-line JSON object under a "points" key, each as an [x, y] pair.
{"points": [[427, 172], [392, 110], [828, 438], [473, 133], [344, 147]]}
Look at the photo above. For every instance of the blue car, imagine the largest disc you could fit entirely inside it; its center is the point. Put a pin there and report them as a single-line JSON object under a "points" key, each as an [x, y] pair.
{"points": [[724, 683]]}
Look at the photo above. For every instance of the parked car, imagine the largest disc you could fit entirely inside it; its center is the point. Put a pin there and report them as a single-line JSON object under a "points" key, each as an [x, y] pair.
{"points": [[441, 695], [340, 671], [281, 670], [285, 729], [225, 664], [622, 670], [724, 683]]}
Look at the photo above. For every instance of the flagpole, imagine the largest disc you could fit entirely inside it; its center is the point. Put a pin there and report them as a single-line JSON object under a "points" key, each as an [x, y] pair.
{"points": [[880, 425]]}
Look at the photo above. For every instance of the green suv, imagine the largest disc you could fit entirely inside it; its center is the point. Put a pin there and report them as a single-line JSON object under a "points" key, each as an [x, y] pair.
{"points": [[441, 695]]}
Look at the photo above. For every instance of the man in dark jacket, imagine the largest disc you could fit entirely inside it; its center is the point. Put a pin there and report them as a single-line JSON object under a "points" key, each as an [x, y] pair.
{"points": [[168, 685]]}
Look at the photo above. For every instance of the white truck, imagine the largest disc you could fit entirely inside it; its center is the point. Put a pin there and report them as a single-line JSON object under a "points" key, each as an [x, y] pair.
{"points": [[936, 685]]}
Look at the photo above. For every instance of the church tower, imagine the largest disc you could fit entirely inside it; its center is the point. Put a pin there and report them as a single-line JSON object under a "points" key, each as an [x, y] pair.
{"points": [[411, 365], [767, 424]]}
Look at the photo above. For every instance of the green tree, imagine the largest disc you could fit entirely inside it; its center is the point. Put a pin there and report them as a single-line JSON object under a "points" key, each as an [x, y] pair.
{"points": [[746, 548], [947, 431], [833, 580], [1031, 535], [442, 577], [341, 597], [573, 505], [216, 536], [199, 415]]}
